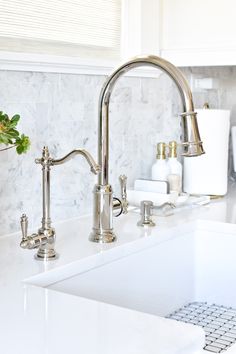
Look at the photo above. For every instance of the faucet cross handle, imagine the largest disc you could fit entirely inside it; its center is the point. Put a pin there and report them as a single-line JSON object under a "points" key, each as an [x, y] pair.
{"points": [[123, 185]]}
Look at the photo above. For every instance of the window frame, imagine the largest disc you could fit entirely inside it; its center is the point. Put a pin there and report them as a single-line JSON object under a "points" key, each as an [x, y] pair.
{"points": [[137, 22]]}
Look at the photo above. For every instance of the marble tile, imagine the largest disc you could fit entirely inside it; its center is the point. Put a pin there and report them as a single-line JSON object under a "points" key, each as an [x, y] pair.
{"points": [[61, 111]]}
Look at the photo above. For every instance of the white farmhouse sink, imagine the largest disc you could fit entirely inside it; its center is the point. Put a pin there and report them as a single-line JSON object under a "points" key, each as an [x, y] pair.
{"points": [[158, 274], [198, 266]]}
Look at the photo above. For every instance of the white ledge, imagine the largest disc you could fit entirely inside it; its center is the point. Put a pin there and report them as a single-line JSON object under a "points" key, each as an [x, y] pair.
{"points": [[65, 65], [185, 57]]}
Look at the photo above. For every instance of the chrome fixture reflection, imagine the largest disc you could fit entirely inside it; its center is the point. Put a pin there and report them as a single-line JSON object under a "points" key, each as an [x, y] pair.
{"points": [[146, 214], [44, 240], [124, 201], [147, 209], [192, 145]]}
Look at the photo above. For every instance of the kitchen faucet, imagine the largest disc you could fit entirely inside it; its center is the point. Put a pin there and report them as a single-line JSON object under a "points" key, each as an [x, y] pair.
{"points": [[44, 239], [192, 145]]}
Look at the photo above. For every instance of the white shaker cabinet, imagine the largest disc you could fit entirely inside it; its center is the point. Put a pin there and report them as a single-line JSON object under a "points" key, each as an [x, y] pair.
{"points": [[185, 32], [199, 32]]}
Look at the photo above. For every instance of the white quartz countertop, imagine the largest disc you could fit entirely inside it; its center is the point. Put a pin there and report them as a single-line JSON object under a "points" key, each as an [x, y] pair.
{"points": [[38, 320]]}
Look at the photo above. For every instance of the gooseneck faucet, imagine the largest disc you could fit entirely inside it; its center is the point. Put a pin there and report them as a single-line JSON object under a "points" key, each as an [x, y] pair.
{"points": [[192, 146], [44, 239]]}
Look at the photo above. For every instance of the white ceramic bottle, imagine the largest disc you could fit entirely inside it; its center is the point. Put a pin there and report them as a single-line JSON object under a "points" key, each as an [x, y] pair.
{"points": [[174, 168], [160, 168]]}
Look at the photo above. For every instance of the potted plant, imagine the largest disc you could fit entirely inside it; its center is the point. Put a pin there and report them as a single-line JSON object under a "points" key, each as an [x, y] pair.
{"points": [[10, 136]]}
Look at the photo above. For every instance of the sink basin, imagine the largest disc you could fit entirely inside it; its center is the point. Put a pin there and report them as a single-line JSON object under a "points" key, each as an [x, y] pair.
{"points": [[160, 276], [197, 266]]}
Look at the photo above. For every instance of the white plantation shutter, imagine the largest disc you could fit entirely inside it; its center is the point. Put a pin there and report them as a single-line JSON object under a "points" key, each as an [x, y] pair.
{"points": [[66, 27]]}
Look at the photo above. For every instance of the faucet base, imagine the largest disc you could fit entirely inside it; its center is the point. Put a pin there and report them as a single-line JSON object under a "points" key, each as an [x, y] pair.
{"points": [[102, 231], [149, 223], [46, 255], [105, 237]]}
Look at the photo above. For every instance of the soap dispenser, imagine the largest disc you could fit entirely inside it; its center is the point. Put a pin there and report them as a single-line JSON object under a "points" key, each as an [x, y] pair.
{"points": [[160, 168], [175, 168]]}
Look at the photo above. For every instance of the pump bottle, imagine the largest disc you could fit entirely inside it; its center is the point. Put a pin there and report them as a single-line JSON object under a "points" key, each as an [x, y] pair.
{"points": [[160, 168], [174, 168]]}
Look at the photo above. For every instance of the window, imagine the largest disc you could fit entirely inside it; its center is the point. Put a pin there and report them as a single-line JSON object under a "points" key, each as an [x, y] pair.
{"points": [[84, 28]]}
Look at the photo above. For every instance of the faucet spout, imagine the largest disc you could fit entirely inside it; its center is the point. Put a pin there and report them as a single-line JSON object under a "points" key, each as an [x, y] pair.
{"points": [[191, 139], [192, 144], [95, 168]]}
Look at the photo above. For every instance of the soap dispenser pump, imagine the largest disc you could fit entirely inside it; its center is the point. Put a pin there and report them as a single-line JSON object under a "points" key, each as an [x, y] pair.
{"points": [[160, 168], [175, 168]]}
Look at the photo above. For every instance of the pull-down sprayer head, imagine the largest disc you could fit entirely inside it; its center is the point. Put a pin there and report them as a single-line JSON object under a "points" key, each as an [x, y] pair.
{"points": [[192, 144]]}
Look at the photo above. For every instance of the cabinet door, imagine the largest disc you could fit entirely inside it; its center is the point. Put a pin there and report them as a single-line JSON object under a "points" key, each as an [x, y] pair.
{"points": [[199, 32]]}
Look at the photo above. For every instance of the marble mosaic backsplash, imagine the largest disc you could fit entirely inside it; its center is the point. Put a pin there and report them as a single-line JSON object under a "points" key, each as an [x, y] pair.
{"points": [[61, 110]]}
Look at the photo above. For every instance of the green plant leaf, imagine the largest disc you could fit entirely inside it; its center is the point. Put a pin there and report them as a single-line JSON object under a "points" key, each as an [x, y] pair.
{"points": [[23, 144], [4, 139], [14, 121], [13, 133], [10, 135]]}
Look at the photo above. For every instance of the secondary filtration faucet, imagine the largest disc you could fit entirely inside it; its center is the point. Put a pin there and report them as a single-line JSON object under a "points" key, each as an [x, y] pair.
{"points": [[192, 144], [44, 239]]}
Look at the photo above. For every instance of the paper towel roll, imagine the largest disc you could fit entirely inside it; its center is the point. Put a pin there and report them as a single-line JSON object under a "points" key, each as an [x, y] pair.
{"points": [[207, 174]]}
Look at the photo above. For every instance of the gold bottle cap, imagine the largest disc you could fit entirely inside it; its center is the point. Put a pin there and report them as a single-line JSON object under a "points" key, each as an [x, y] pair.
{"points": [[161, 151], [172, 149]]}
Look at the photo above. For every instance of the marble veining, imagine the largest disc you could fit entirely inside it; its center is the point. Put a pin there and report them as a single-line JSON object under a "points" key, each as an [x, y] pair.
{"points": [[60, 110]]}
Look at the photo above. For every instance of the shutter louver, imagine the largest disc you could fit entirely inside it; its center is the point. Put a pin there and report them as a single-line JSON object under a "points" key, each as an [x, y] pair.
{"points": [[70, 26]]}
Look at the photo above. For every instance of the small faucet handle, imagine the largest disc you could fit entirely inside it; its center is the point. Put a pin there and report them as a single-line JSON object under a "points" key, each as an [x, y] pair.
{"points": [[123, 185], [24, 226]]}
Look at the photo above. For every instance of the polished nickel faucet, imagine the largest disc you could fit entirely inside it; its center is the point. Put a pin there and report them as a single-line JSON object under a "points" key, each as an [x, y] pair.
{"points": [[192, 145], [44, 239]]}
